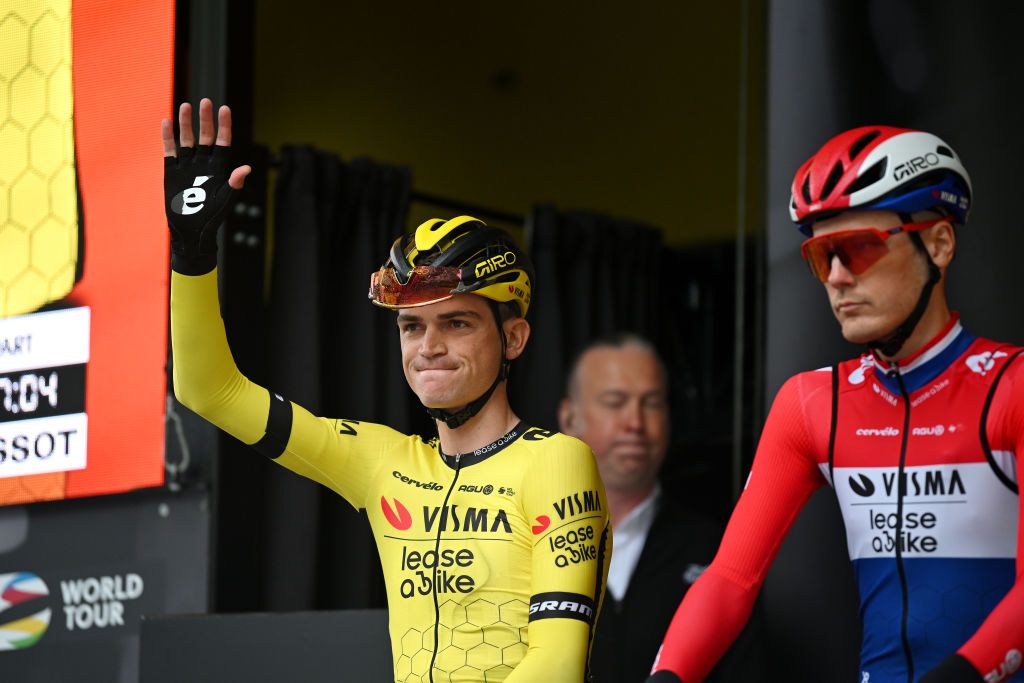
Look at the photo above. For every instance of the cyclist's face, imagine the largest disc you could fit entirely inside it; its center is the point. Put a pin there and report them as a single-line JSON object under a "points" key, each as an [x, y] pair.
{"points": [[872, 304], [450, 350], [621, 411]]}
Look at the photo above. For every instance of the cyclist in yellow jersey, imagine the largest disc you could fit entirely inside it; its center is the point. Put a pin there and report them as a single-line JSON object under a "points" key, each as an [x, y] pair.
{"points": [[494, 537]]}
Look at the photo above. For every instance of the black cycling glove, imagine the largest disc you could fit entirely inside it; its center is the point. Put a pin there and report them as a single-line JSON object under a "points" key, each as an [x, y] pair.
{"points": [[952, 669], [196, 197]]}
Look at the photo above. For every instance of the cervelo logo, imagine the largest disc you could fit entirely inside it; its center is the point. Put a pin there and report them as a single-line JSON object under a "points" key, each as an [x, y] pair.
{"points": [[398, 516], [915, 165], [428, 485], [23, 594], [884, 431], [543, 522], [190, 200], [981, 363], [1010, 664]]}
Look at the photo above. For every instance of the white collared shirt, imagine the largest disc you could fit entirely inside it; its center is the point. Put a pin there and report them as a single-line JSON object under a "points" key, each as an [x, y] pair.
{"points": [[629, 538]]}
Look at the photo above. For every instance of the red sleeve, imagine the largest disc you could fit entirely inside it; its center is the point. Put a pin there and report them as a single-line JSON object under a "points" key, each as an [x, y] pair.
{"points": [[1002, 633], [783, 477]]}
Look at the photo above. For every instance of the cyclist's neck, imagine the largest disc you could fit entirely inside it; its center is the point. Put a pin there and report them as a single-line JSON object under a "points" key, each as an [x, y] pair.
{"points": [[493, 421], [933, 323]]}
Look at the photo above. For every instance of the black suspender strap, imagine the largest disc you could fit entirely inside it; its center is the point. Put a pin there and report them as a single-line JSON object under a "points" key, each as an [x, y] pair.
{"points": [[835, 424], [1009, 483]]}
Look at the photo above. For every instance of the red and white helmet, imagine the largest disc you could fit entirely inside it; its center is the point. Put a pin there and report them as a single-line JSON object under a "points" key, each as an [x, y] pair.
{"points": [[880, 167]]}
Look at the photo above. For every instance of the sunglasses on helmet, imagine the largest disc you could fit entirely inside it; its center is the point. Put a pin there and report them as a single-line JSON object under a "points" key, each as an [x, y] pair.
{"points": [[425, 285], [857, 249]]}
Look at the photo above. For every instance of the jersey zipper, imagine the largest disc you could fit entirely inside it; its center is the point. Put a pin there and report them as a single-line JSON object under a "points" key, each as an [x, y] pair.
{"points": [[437, 553], [900, 493]]}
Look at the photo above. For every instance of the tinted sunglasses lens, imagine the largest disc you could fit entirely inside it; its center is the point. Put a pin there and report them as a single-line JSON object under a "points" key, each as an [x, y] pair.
{"points": [[857, 251], [860, 250], [426, 285]]}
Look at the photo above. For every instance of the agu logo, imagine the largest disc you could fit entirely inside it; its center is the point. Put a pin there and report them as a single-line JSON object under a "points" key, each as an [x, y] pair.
{"points": [[24, 616]]}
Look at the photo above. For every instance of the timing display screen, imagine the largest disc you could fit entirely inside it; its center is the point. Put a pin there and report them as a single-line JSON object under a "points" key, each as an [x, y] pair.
{"points": [[83, 247], [43, 424]]}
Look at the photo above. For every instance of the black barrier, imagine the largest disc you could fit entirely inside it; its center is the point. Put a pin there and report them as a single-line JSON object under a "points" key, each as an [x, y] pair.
{"points": [[77, 576], [312, 647]]}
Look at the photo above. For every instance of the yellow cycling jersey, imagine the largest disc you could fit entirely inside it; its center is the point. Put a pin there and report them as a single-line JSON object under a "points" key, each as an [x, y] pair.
{"points": [[495, 561]]}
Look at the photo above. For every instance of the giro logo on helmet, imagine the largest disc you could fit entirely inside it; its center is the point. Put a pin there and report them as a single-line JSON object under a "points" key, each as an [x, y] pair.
{"points": [[495, 263], [915, 165]]}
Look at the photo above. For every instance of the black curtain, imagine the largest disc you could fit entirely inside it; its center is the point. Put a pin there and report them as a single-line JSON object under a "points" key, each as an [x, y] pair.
{"points": [[593, 277], [333, 352], [597, 274]]}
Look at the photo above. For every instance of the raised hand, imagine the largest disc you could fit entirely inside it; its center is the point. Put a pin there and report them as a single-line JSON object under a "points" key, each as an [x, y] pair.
{"points": [[197, 186]]}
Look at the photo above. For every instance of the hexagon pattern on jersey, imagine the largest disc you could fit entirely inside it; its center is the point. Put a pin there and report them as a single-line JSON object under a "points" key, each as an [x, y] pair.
{"points": [[478, 641], [38, 192]]}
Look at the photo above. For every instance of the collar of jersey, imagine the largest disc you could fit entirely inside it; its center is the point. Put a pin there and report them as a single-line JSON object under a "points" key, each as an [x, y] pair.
{"points": [[484, 452], [931, 361]]}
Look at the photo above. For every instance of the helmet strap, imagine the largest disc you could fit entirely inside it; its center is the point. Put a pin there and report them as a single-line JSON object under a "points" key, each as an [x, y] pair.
{"points": [[457, 418], [890, 344]]}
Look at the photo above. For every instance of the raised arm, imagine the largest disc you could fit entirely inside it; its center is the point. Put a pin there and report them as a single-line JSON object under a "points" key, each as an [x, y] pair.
{"points": [[198, 190]]}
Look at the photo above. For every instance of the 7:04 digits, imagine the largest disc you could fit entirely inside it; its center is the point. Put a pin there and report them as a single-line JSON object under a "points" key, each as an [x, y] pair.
{"points": [[23, 394]]}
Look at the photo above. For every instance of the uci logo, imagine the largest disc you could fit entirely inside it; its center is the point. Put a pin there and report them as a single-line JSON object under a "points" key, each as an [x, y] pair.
{"points": [[24, 616], [190, 200]]}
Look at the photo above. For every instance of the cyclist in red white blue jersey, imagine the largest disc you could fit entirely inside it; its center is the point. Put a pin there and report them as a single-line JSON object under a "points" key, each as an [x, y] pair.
{"points": [[921, 438]]}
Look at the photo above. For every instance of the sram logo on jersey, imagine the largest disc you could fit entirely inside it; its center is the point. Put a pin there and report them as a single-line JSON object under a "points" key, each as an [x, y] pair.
{"points": [[560, 605], [577, 504], [428, 485]]}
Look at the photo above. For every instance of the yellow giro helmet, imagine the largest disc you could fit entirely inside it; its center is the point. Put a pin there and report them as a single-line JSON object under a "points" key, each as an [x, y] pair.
{"points": [[458, 256]]}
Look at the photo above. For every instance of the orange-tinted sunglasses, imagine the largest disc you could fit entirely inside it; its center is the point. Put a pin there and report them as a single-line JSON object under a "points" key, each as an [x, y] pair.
{"points": [[425, 285], [857, 249]]}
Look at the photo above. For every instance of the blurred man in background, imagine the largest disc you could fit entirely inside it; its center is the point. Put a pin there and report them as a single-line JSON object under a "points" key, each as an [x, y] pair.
{"points": [[617, 402]]}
